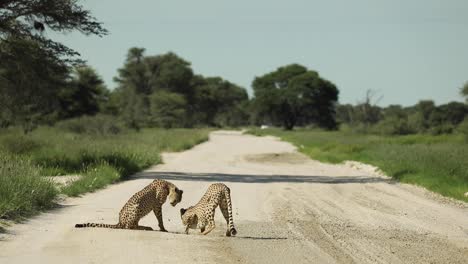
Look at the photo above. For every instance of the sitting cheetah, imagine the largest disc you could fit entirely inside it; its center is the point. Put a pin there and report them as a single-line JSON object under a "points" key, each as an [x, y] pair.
{"points": [[202, 214], [151, 198]]}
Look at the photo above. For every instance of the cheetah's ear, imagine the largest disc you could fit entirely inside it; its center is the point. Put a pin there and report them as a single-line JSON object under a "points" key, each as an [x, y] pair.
{"points": [[182, 211]]}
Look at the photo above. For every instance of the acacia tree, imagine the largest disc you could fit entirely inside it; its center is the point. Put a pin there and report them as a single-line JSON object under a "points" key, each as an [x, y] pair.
{"points": [[85, 93], [33, 68], [30, 81], [217, 102], [292, 94], [167, 109], [169, 72], [20, 19], [141, 76], [133, 89]]}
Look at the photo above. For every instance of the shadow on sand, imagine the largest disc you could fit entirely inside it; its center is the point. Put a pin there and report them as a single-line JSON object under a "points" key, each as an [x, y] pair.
{"points": [[260, 238], [216, 177], [195, 233]]}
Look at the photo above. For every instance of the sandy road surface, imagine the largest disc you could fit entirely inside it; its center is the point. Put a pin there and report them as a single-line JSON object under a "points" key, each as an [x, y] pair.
{"points": [[286, 209]]}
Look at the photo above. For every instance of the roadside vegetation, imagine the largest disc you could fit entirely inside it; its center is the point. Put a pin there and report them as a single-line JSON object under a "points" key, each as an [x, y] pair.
{"points": [[436, 162], [100, 159]]}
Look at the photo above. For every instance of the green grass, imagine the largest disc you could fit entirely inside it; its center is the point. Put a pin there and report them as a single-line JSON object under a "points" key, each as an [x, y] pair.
{"points": [[100, 159], [438, 163], [22, 190]]}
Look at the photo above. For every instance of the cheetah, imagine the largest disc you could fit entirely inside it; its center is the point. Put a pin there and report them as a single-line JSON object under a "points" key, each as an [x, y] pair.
{"points": [[202, 214], [150, 198]]}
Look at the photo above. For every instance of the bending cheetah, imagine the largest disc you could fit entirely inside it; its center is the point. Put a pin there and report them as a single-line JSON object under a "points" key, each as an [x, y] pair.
{"points": [[151, 198], [202, 214]]}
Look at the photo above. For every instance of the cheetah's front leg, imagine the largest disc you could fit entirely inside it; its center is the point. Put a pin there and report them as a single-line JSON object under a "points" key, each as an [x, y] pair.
{"points": [[158, 213], [210, 227]]}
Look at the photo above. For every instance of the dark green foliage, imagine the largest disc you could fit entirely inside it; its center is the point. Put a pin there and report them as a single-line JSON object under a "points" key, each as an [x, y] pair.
{"points": [[33, 68], [169, 72], [420, 114], [168, 110], [19, 144], [452, 113], [25, 19], [235, 116], [361, 116], [141, 77], [30, 78], [424, 117], [392, 125], [84, 94], [163, 91], [293, 95], [92, 125], [217, 102]]}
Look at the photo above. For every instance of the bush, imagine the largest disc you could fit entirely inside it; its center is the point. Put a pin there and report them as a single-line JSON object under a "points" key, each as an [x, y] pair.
{"points": [[463, 128], [167, 109], [443, 128], [22, 191], [20, 144], [93, 125], [392, 126]]}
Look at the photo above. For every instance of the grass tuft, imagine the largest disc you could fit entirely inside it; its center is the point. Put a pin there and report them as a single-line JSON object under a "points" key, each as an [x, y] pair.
{"points": [[22, 190]]}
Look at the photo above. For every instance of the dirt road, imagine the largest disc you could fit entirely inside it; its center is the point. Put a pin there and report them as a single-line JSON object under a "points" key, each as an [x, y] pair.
{"points": [[287, 209]]}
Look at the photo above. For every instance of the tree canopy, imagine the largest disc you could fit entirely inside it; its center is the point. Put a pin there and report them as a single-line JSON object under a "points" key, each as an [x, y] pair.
{"points": [[30, 80], [294, 95], [33, 68], [84, 94], [28, 19], [163, 91]]}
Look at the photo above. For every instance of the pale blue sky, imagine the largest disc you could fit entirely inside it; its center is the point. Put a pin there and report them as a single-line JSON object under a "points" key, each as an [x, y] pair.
{"points": [[407, 50]]}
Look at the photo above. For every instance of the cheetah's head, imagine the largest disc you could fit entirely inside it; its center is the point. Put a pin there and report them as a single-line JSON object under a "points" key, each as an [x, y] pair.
{"points": [[188, 218], [175, 196]]}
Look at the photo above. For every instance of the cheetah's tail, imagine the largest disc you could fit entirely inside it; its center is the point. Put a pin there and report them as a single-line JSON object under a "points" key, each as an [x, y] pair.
{"points": [[232, 229], [97, 225]]}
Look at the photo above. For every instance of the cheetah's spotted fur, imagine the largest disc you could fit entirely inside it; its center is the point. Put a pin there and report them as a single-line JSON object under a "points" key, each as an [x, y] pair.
{"points": [[151, 198], [202, 214]]}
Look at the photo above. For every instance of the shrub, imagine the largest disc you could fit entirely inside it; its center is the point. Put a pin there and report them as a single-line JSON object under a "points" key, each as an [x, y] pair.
{"points": [[93, 125], [20, 144], [22, 190], [392, 126], [463, 128], [443, 128]]}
